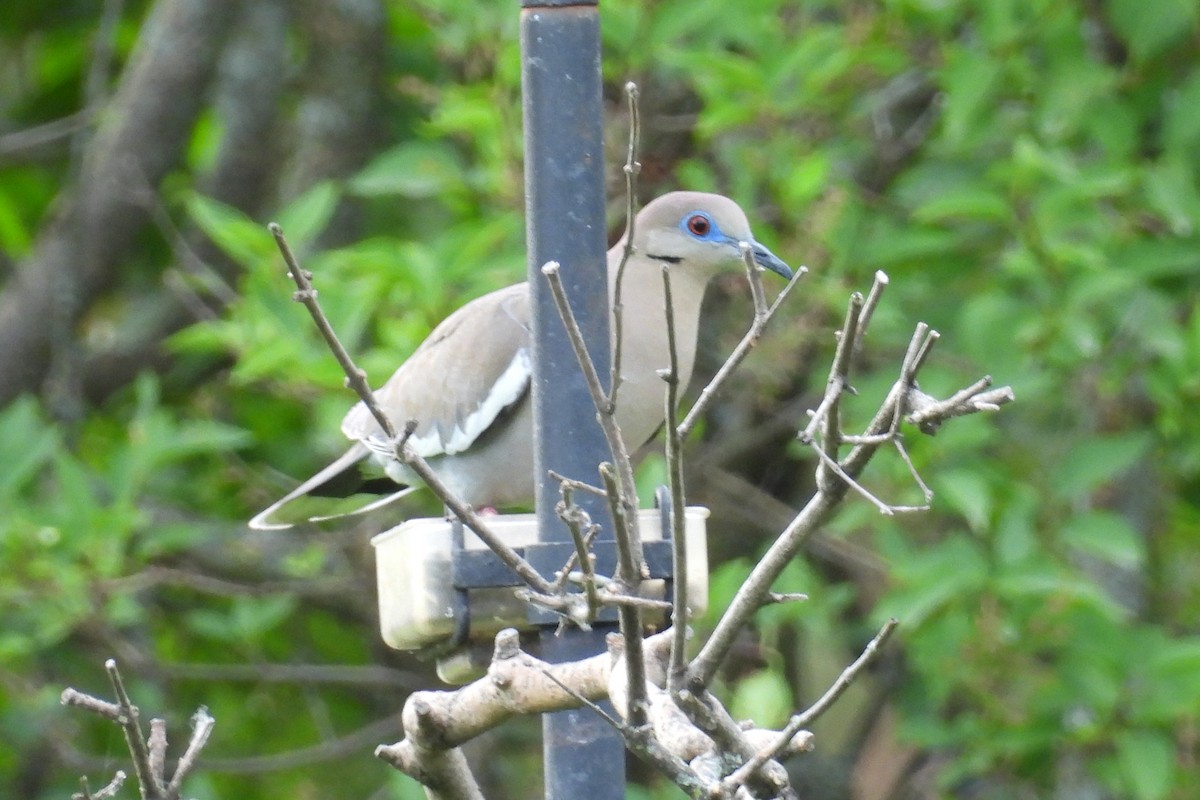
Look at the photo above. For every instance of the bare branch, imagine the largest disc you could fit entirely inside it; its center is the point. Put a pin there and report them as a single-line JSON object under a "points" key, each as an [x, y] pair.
{"points": [[150, 781], [516, 683], [709, 392], [581, 486], [202, 725], [157, 745], [605, 414], [733, 744], [145, 128], [757, 585], [445, 773], [835, 476], [630, 567], [632, 169], [785, 597], [577, 522], [73, 697], [356, 379], [674, 455], [929, 414], [869, 654], [831, 423], [873, 297], [108, 791], [149, 756]]}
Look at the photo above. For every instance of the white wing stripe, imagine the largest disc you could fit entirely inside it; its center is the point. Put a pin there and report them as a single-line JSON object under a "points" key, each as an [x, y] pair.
{"points": [[507, 389]]}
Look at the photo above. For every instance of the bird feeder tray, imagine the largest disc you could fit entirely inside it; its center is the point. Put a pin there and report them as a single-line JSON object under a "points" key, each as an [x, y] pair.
{"points": [[440, 586]]}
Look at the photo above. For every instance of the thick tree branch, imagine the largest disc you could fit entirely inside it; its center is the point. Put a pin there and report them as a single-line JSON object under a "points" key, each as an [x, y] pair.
{"points": [[144, 132]]}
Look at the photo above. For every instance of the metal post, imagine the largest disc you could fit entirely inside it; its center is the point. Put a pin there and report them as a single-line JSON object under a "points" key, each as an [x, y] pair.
{"points": [[564, 199]]}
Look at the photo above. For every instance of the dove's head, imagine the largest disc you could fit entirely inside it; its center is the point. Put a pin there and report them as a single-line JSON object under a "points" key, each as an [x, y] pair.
{"points": [[702, 233]]}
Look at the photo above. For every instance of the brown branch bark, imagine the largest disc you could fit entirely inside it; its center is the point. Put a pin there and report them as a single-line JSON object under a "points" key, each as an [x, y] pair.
{"points": [[249, 83], [143, 134]]}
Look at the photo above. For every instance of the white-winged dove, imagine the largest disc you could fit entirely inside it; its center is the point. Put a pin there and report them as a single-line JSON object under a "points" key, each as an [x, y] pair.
{"points": [[467, 385]]}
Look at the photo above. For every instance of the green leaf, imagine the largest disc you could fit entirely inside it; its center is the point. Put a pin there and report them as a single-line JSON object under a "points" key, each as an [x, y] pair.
{"points": [[969, 494], [969, 78], [1181, 126], [966, 203], [247, 619], [764, 697], [27, 442], [1150, 28], [1107, 535], [241, 238], [1147, 760], [930, 581], [14, 234], [1170, 689], [415, 170], [305, 218], [1093, 462], [1161, 257], [806, 179], [1171, 191]]}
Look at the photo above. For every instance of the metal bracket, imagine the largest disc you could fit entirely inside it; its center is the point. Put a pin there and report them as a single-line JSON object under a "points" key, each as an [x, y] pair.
{"points": [[480, 569]]}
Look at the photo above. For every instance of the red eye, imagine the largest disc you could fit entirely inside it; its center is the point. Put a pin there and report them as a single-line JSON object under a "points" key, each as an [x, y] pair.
{"points": [[699, 224]]}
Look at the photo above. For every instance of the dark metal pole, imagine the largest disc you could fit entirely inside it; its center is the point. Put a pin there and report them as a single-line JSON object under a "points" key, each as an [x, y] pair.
{"points": [[564, 201]]}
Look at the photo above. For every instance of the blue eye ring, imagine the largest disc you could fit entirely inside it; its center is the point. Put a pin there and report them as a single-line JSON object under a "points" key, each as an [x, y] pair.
{"points": [[700, 225]]}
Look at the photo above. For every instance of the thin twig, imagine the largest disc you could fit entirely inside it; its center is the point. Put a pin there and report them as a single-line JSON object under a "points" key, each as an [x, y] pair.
{"points": [[831, 423], [142, 768], [619, 725], [202, 725], [46, 133], [356, 379], [608, 423], [679, 576], [641, 741], [836, 468], [108, 791], [754, 277], [78, 699], [629, 561], [803, 720], [869, 653], [784, 597], [712, 718], [577, 521], [709, 392], [645, 603], [928, 413], [873, 297], [632, 169], [747, 601], [571, 607], [582, 486], [898, 442]]}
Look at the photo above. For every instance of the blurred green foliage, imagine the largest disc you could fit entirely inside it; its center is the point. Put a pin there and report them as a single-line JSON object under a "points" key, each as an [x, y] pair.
{"points": [[1026, 172]]}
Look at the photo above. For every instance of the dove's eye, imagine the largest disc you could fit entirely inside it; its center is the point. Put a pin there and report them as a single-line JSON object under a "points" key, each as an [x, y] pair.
{"points": [[698, 224]]}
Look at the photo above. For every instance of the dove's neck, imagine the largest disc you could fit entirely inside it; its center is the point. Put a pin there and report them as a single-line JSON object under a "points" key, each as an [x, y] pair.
{"points": [[645, 347]]}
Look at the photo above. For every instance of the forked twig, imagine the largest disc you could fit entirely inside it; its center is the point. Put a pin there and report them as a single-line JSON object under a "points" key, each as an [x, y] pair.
{"points": [[709, 392], [841, 474], [803, 720], [149, 755]]}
